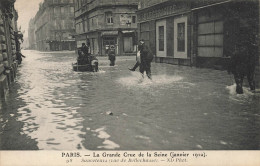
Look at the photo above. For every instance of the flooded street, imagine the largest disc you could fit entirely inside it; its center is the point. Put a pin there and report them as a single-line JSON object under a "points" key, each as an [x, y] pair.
{"points": [[51, 107]]}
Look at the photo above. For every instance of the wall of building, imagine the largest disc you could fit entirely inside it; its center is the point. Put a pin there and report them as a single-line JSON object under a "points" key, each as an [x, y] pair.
{"points": [[213, 29], [54, 25], [219, 28], [31, 36], [258, 62], [8, 63], [91, 19], [157, 26]]}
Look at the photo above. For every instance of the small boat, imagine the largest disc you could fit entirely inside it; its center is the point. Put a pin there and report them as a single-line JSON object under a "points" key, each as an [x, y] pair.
{"points": [[93, 67]]}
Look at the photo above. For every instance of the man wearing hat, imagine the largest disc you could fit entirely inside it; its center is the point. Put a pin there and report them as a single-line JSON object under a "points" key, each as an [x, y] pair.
{"points": [[146, 58]]}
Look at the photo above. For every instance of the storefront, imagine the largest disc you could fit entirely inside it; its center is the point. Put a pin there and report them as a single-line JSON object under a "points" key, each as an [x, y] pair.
{"points": [[165, 28], [109, 40], [219, 27], [129, 42], [100, 41], [202, 34], [61, 45]]}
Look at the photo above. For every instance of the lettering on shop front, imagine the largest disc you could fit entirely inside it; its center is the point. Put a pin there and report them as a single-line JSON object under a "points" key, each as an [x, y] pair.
{"points": [[164, 11]]}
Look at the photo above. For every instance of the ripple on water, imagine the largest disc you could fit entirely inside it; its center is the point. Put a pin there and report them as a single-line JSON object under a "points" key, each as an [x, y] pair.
{"points": [[107, 144], [239, 97], [136, 80]]}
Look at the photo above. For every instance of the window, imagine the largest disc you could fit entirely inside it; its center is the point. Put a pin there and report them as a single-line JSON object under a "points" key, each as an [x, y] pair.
{"points": [[63, 24], [109, 18], [57, 10], [181, 37], [84, 27], [62, 10], [133, 19], [77, 28], [71, 9], [161, 38]]}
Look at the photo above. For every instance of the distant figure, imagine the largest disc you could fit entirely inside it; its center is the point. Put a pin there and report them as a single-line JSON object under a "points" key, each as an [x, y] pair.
{"points": [[83, 53], [242, 63], [84, 48], [19, 56], [146, 59], [112, 55]]}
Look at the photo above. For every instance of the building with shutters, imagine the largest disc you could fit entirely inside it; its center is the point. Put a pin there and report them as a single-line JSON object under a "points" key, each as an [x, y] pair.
{"points": [[107, 24], [197, 33], [9, 45], [54, 26]]}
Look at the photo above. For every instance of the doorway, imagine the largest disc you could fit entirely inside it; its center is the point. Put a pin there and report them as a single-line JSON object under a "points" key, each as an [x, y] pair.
{"points": [[180, 37], [161, 38]]}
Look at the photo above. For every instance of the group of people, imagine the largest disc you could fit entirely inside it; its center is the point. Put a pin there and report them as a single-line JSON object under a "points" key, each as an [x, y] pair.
{"points": [[242, 61], [143, 59]]}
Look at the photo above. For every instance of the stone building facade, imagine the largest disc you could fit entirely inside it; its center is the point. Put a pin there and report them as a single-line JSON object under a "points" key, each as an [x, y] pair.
{"points": [[31, 37], [9, 45], [199, 33], [106, 24], [54, 26]]}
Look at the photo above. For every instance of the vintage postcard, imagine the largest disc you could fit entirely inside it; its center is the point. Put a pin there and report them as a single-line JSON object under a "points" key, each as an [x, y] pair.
{"points": [[129, 82]]}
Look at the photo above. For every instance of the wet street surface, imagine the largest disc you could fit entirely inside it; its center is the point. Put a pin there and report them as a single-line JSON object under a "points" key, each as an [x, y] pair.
{"points": [[51, 107]]}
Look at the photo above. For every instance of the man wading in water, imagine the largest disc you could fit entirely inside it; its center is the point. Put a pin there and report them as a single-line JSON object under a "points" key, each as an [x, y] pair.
{"points": [[242, 64], [146, 58]]}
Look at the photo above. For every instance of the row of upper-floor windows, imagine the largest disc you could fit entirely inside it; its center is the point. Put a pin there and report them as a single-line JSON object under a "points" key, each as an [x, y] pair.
{"points": [[94, 22], [63, 24], [63, 10], [80, 3]]}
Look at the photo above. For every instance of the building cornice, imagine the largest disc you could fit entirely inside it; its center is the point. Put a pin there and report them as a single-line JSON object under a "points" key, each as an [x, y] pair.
{"points": [[100, 7]]}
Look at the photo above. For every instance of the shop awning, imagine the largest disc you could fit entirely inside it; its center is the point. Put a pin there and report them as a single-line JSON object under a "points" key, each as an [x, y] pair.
{"points": [[109, 33], [132, 31]]}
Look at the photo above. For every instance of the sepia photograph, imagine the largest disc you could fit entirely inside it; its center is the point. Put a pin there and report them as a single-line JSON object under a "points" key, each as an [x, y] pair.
{"points": [[129, 75]]}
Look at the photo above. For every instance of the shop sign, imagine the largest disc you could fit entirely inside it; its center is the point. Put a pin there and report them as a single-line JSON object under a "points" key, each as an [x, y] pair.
{"points": [[125, 19], [160, 12]]}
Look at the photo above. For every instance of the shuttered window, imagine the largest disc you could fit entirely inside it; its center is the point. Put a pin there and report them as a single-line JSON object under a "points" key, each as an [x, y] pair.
{"points": [[210, 34]]}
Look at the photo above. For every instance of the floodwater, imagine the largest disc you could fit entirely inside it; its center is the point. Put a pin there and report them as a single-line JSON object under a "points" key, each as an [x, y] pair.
{"points": [[51, 107]]}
